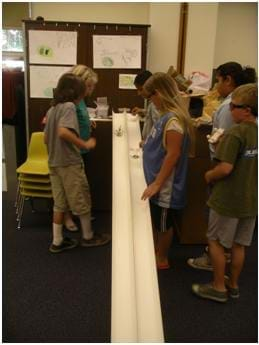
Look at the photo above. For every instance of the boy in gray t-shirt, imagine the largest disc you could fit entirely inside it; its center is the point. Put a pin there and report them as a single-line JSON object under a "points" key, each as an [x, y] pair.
{"points": [[68, 181]]}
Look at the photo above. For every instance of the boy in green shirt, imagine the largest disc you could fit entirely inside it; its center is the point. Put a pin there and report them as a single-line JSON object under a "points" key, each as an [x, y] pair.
{"points": [[233, 201]]}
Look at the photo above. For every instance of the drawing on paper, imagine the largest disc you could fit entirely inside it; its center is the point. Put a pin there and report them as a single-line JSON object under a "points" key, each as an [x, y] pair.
{"points": [[45, 51], [43, 79], [53, 47], [48, 92], [126, 81], [115, 51], [107, 61]]}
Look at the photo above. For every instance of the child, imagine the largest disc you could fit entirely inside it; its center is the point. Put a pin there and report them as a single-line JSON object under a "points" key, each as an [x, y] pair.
{"points": [[90, 79], [165, 159], [69, 184], [229, 76], [233, 201], [151, 114]]}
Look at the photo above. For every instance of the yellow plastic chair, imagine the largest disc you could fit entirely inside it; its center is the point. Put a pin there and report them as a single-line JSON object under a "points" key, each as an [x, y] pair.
{"points": [[31, 191], [33, 175], [37, 159]]}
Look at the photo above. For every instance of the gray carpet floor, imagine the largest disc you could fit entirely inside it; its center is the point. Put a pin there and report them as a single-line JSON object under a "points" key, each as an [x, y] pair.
{"points": [[67, 297]]}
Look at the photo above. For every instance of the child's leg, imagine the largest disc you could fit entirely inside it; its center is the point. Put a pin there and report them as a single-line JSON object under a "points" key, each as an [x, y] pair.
{"points": [[162, 221], [218, 259], [163, 246], [57, 227], [243, 238], [85, 220], [237, 262], [68, 221]]}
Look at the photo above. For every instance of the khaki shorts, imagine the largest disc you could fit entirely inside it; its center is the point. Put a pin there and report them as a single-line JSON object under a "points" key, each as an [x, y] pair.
{"points": [[70, 189], [228, 230]]}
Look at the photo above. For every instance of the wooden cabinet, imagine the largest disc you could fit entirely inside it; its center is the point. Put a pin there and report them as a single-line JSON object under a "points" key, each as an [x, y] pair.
{"points": [[99, 167], [193, 219]]}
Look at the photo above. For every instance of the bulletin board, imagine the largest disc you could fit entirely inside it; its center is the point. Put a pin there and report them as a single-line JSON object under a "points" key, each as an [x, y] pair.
{"points": [[116, 52]]}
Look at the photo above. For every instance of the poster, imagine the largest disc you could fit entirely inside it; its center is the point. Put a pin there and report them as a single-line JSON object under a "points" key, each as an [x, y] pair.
{"points": [[44, 78], [53, 47], [115, 51], [126, 81]]}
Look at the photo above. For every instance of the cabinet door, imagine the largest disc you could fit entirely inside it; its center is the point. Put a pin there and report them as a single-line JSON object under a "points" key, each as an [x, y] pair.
{"points": [[99, 167], [193, 222]]}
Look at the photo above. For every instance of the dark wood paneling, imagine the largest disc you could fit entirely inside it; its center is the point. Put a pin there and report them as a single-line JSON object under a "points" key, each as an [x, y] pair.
{"points": [[108, 78], [99, 167], [193, 220]]}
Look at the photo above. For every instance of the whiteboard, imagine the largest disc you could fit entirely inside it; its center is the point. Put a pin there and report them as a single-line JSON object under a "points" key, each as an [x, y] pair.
{"points": [[53, 47], [44, 78], [115, 51]]}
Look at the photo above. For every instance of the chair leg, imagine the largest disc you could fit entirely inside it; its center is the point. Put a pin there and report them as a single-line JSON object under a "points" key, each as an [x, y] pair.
{"points": [[20, 213], [20, 206], [32, 205], [18, 202], [17, 194]]}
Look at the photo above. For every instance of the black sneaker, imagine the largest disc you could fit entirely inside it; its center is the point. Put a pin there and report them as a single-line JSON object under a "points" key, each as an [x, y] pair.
{"points": [[97, 240], [67, 243]]}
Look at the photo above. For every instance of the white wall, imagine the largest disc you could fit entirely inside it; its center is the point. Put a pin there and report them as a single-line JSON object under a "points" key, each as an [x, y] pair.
{"points": [[163, 36], [201, 37], [237, 38], [216, 32], [132, 13]]}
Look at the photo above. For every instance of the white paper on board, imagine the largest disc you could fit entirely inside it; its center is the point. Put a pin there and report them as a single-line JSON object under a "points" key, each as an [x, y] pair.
{"points": [[117, 51], [53, 47], [44, 78], [126, 81]]}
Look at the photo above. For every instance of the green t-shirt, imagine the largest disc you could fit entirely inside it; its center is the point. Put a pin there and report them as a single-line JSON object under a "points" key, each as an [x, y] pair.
{"points": [[84, 122], [236, 195]]}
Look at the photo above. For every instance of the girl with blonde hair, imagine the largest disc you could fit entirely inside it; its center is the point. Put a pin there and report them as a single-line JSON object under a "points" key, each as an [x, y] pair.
{"points": [[165, 159]]}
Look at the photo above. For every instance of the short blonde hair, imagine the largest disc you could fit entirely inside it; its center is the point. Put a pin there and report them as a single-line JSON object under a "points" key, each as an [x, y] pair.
{"points": [[84, 72], [247, 94]]}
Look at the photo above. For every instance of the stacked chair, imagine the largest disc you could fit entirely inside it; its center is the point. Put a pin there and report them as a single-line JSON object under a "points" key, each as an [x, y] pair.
{"points": [[33, 175]]}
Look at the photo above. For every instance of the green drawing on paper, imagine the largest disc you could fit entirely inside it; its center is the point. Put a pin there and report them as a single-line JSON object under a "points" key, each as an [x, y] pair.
{"points": [[48, 92], [45, 51], [107, 61], [127, 80]]}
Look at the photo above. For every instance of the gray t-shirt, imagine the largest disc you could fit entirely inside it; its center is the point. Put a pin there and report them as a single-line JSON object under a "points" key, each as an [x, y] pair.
{"points": [[61, 152]]}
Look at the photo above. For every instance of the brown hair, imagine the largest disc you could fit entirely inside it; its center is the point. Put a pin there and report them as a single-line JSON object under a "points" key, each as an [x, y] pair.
{"points": [[69, 88]]}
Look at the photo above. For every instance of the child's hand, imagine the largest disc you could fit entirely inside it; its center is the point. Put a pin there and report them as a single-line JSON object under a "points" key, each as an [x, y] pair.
{"points": [[136, 111], [90, 143], [141, 144], [151, 190]]}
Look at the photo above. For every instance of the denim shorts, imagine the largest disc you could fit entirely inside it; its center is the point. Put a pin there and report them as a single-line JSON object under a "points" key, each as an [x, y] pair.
{"points": [[227, 230], [70, 189]]}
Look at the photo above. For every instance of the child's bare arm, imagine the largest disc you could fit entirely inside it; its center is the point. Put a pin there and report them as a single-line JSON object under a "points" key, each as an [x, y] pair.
{"points": [[220, 171], [68, 135]]}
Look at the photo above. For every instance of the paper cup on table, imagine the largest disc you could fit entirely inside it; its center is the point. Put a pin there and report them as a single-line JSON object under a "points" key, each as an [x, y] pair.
{"points": [[102, 111]]}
